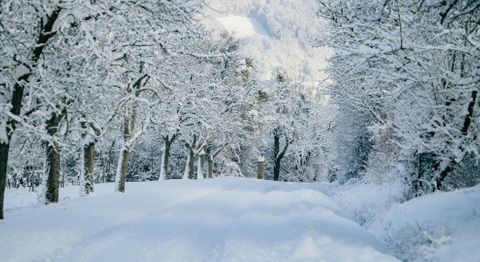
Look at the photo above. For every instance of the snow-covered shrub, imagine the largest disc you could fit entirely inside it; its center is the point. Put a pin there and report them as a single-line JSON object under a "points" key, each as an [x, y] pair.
{"points": [[356, 197], [416, 242]]}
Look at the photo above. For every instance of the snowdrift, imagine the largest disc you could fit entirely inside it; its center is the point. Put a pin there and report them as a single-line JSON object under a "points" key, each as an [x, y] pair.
{"points": [[443, 226]]}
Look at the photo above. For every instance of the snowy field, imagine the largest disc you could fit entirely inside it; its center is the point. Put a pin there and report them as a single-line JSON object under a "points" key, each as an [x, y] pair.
{"points": [[233, 219], [223, 219]]}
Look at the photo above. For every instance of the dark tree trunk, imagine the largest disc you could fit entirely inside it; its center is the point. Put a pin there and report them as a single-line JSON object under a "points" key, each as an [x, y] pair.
{"points": [[276, 169], [53, 158], [89, 168], [277, 154], [211, 154], [191, 158], [53, 168], [168, 141], [166, 157], [4, 148], [191, 165], [123, 166]]}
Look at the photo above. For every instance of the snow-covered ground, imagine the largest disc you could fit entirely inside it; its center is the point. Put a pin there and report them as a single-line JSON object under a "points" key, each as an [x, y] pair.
{"points": [[276, 33], [437, 227], [443, 226], [224, 219], [235, 219]]}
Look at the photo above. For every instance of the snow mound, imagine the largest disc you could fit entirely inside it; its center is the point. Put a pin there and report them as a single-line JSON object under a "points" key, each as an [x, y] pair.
{"points": [[443, 226], [225, 219]]}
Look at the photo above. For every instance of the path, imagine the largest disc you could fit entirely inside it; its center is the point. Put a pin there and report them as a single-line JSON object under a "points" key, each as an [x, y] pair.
{"points": [[226, 219]]}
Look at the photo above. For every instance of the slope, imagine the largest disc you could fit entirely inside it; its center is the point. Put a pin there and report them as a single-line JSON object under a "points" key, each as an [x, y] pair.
{"points": [[279, 34]]}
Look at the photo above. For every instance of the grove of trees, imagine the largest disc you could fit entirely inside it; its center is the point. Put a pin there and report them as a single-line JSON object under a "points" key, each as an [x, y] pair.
{"points": [[115, 91], [408, 74]]}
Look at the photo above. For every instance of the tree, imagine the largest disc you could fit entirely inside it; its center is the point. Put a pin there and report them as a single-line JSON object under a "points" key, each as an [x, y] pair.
{"points": [[409, 66], [24, 41]]}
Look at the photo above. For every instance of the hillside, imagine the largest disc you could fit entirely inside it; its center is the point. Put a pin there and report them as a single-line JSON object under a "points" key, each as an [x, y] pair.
{"points": [[277, 34]]}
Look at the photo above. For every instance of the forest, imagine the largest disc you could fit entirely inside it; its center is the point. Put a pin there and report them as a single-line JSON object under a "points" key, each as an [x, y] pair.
{"points": [[120, 91]]}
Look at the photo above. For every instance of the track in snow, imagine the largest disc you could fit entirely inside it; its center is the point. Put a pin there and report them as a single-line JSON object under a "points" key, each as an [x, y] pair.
{"points": [[225, 219]]}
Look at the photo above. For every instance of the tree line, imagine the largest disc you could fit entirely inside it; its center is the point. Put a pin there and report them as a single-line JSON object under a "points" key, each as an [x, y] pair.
{"points": [[406, 80]]}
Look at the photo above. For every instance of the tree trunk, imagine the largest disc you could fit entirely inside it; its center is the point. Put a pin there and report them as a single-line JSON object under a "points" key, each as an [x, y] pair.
{"points": [[200, 167], [53, 158], [122, 169], [53, 171], [276, 169], [191, 159], [191, 166], [165, 157], [187, 168], [89, 167], [210, 166], [277, 154], [276, 160], [4, 148]]}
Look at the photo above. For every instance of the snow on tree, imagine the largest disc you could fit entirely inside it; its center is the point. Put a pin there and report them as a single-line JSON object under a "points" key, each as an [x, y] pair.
{"points": [[411, 69]]}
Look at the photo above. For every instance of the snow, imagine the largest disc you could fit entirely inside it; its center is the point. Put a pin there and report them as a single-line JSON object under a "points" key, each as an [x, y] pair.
{"points": [[238, 219], [446, 225], [277, 34], [243, 27], [442, 226], [223, 219]]}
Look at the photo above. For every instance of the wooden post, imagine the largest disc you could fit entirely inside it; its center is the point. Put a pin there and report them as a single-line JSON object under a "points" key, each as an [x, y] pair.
{"points": [[260, 167]]}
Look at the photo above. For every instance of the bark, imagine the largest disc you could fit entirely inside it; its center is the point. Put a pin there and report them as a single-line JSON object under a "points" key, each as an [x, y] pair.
{"points": [[277, 154], [200, 167], [191, 158], [122, 166], [191, 165], [53, 171], [89, 165], [122, 169], [210, 166], [167, 141], [212, 153], [187, 170], [53, 158], [4, 148], [276, 161]]}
